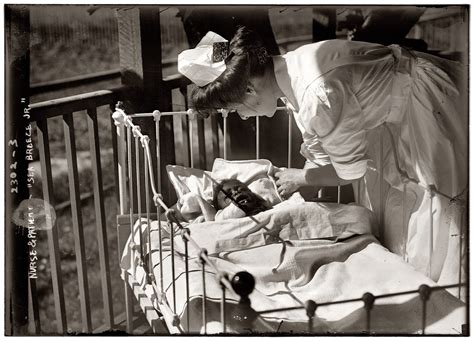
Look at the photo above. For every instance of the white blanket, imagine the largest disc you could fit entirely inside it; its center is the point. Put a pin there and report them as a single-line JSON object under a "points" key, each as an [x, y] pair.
{"points": [[329, 255]]}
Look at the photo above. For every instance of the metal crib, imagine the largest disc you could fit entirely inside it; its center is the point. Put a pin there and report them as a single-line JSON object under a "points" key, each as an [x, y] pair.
{"points": [[131, 140]]}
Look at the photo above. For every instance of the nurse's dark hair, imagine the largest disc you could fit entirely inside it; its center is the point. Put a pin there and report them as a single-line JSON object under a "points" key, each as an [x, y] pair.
{"points": [[247, 57]]}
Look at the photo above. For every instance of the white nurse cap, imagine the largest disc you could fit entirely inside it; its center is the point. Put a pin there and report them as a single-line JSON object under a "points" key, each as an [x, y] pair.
{"points": [[203, 64]]}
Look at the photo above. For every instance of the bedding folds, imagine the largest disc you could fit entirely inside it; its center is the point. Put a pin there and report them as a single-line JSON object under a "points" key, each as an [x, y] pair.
{"points": [[297, 251]]}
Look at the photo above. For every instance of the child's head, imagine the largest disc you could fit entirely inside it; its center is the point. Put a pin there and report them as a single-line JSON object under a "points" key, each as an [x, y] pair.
{"points": [[233, 190]]}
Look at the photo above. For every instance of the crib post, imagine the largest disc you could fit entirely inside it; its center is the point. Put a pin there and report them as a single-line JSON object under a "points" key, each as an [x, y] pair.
{"points": [[369, 300], [119, 120], [159, 208], [185, 233], [173, 275], [139, 201], [157, 117], [224, 113], [202, 256], [220, 278], [243, 284], [310, 307], [147, 209], [424, 292], [192, 119]]}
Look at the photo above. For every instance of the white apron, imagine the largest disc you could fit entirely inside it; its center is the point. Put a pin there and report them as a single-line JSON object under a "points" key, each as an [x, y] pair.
{"points": [[428, 126]]}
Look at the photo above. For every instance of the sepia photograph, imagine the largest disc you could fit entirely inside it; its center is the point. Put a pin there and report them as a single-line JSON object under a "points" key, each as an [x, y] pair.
{"points": [[236, 170]]}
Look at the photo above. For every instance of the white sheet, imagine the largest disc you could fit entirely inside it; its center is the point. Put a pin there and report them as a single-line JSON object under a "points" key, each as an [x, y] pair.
{"points": [[315, 266]]}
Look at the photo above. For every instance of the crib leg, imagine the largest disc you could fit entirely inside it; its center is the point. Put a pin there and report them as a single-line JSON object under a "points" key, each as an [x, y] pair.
{"points": [[128, 305]]}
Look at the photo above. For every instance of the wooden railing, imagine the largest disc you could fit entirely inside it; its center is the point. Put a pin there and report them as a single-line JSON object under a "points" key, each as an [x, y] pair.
{"points": [[114, 74], [65, 108]]}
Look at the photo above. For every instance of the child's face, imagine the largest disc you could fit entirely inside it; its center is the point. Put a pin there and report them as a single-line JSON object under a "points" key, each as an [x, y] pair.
{"points": [[239, 192]]}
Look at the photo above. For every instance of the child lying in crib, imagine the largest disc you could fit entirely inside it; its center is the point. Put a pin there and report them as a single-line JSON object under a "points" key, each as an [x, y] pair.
{"points": [[232, 199]]}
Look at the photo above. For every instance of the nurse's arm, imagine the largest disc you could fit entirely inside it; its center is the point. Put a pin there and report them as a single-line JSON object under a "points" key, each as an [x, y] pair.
{"points": [[292, 179], [324, 176]]}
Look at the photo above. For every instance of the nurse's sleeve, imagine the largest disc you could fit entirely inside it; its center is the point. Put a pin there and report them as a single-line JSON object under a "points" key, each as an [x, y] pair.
{"points": [[334, 125]]}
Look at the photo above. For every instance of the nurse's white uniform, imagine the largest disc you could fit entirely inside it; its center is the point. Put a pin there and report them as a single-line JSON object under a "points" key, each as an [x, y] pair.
{"points": [[349, 100]]}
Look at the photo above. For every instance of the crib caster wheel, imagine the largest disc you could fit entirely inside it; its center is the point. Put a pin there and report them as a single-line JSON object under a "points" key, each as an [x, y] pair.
{"points": [[243, 284]]}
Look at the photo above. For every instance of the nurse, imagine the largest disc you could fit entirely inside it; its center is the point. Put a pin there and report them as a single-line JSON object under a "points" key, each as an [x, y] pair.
{"points": [[366, 112]]}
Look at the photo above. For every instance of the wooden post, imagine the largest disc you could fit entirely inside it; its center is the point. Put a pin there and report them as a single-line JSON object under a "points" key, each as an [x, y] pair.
{"points": [[141, 68], [17, 20], [324, 23]]}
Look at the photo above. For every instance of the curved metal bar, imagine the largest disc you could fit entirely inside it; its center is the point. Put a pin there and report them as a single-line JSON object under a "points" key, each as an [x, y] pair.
{"points": [[186, 270], [191, 139], [204, 297], [148, 227], [173, 274], [139, 199], [130, 195], [225, 135], [160, 237], [157, 116]]}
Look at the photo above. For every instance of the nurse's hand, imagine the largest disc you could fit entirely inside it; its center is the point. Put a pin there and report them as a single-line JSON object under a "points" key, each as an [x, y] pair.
{"points": [[290, 180]]}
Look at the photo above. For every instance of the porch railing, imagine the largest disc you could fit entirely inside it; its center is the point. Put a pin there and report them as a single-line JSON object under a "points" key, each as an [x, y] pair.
{"points": [[66, 108], [40, 114]]}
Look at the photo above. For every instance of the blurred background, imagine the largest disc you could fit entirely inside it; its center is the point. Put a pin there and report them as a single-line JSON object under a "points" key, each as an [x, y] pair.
{"points": [[74, 49]]}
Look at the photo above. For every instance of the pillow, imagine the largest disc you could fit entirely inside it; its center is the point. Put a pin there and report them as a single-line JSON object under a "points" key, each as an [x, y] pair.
{"points": [[185, 180], [256, 174]]}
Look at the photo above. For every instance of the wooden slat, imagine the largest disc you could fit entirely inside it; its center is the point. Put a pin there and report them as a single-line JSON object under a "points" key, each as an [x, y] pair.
{"points": [[52, 233], [73, 178], [175, 81], [123, 209], [151, 314], [215, 136], [142, 325], [186, 139], [209, 142], [56, 107], [34, 326], [100, 216], [123, 232], [201, 144], [68, 83]]}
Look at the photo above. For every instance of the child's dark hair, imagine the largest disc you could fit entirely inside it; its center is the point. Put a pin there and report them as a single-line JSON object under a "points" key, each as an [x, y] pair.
{"points": [[247, 57]]}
